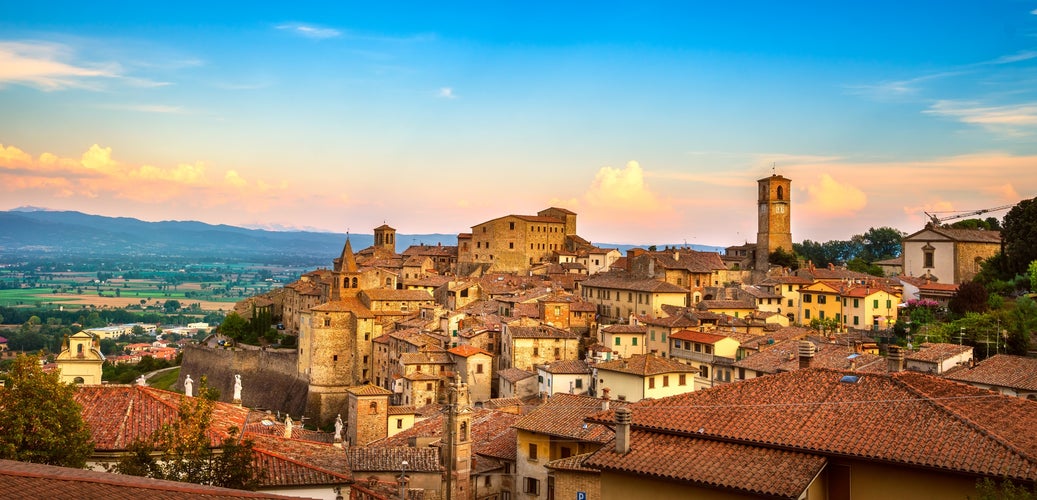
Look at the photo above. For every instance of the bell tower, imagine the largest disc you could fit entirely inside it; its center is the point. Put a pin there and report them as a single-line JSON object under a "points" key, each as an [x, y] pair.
{"points": [[385, 237], [775, 227], [458, 431]]}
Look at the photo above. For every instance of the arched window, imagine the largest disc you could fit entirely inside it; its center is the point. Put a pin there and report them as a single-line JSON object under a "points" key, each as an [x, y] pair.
{"points": [[464, 432], [78, 380], [354, 283], [345, 282], [388, 281], [781, 193], [374, 407]]}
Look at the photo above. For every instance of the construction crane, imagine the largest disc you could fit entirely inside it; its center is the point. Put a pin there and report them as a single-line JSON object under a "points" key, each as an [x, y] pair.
{"points": [[936, 221]]}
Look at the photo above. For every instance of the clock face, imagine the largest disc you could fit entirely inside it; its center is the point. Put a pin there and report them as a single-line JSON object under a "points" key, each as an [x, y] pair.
{"points": [[779, 209]]}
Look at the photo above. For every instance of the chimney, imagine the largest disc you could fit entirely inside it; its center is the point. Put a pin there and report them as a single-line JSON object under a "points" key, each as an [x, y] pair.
{"points": [[895, 359], [806, 353], [676, 255], [623, 430], [605, 398]]}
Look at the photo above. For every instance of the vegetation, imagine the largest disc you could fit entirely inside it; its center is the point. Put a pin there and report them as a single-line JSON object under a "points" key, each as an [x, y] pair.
{"points": [[185, 453], [859, 253], [126, 373], [40, 422], [1019, 233]]}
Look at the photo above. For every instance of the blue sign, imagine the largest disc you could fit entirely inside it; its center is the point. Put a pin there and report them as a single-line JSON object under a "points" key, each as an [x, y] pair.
{"points": [[581, 495]]}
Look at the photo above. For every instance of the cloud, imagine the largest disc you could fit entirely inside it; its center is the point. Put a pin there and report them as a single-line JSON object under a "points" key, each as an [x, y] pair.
{"points": [[1022, 55], [831, 198], [48, 66], [446, 93], [310, 31], [234, 179], [622, 190], [894, 90], [1013, 119]]}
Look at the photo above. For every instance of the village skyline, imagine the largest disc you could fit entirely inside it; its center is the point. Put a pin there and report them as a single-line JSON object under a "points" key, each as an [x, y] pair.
{"points": [[651, 121]]}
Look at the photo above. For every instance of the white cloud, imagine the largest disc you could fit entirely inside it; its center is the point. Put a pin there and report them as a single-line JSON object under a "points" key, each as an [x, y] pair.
{"points": [[1022, 55], [446, 93], [831, 198], [310, 31], [48, 66], [1013, 119], [622, 190]]}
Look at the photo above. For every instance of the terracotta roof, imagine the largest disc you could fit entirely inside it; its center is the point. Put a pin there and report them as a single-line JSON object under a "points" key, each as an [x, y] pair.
{"points": [[388, 459], [692, 261], [645, 365], [622, 281], [784, 357], [368, 390], [935, 352], [292, 462], [393, 294], [27, 480], [540, 332], [345, 305], [400, 410], [465, 350], [970, 235], [1002, 370], [514, 374], [572, 464], [745, 469], [700, 337], [492, 434], [625, 329], [119, 414], [563, 416], [906, 418], [568, 366]]}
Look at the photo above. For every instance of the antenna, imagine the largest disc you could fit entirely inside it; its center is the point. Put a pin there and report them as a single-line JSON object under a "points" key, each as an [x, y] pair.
{"points": [[774, 168]]}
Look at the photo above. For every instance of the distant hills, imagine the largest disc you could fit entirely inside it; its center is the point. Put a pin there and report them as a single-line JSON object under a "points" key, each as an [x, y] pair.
{"points": [[30, 231]]}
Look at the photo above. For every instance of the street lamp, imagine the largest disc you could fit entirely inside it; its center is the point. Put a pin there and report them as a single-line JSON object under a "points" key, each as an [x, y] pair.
{"points": [[403, 480]]}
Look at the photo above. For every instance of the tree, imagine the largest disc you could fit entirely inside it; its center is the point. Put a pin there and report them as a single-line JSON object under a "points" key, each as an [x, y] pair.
{"points": [[40, 421], [860, 265], [171, 306], [782, 258], [1019, 235], [1031, 271], [971, 297], [879, 243], [233, 326], [1022, 324]]}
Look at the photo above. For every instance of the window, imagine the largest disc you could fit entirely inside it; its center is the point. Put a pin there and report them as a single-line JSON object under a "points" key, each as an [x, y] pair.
{"points": [[651, 382], [428, 386], [633, 341], [682, 379], [558, 310], [531, 485], [888, 304], [856, 302], [698, 347], [566, 452], [532, 451], [478, 368], [807, 298], [790, 302], [399, 423], [617, 341], [806, 314], [856, 320], [666, 380], [536, 351], [928, 258], [579, 383], [334, 357], [486, 480], [558, 352], [704, 371], [373, 408], [327, 321], [652, 333], [822, 299], [511, 225], [875, 303], [511, 244]]}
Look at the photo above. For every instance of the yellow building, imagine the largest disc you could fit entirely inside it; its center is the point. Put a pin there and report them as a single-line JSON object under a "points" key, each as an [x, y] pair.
{"points": [[617, 295], [644, 376], [819, 300], [624, 340], [80, 360], [869, 307]]}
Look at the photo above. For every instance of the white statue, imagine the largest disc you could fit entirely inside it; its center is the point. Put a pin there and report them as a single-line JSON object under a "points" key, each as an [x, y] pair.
{"points": [[189, 386], [141, 381], [338, 427], [288, 426], [237, 387]]}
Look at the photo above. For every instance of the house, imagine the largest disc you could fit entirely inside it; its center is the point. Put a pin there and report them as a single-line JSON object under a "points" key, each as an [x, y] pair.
{"points": [[948, 255], [514, 243], [525, 344], [819, 300], [710, 354], [474, 365], [735, 308], [819, 433], [618, 294], [569, 376], [1004, 373], [788, 287], [516, 383], [624, 340], [938, 358], [569, 478], [554, 431], [795, 354], [386, 464], [869, 307], [643, 376]]}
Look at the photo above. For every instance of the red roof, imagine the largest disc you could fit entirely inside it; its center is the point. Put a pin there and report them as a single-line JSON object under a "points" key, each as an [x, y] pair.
{"points": [[700, 337]]}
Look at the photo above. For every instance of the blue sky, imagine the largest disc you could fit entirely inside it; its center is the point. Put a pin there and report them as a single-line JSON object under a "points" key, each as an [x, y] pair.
{"points": [[652, 121]]}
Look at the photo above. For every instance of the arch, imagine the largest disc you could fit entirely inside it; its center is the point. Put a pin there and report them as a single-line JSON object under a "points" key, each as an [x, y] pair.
{"points": [[354, 283], [464, 432], [374, 407], [78, 380], [781, 193], [345, 282]]}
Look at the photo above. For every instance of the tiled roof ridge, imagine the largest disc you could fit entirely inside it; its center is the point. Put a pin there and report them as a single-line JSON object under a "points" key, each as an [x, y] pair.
{"points": [[989, 433], [286, 458]]}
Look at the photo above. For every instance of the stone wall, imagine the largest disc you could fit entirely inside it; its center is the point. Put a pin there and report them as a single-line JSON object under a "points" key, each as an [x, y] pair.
{"points": [[269, 378]]}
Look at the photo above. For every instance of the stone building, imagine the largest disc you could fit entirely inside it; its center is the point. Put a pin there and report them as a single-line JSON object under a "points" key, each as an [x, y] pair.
{"points": [[367, 414], [948, 255], [514, 243]]}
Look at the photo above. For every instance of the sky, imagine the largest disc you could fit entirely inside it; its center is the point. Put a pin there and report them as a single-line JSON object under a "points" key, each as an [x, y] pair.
{"points": [[651, 120]]}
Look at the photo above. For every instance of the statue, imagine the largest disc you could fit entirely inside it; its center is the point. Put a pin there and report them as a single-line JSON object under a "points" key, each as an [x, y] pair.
{"points": [[237, 387], [141, 381], [288, 426], [189, 386], [338, 428]]}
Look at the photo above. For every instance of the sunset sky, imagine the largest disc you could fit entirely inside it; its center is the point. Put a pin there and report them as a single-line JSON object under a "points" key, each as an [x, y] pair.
{"points": [[651, 120]]}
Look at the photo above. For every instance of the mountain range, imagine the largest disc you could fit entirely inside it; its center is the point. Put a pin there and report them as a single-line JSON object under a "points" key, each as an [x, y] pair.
{"points": [[39, 232]]}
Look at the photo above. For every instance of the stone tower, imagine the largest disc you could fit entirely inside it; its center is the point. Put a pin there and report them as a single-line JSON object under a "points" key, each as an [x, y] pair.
{"points": [[80, 360], [458, 433], [775, 228], [367, 414], [346, 274], [385, 237]]}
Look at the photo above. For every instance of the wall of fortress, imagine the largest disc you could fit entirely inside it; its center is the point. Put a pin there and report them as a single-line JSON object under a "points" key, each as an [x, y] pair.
{"points": [[269, 378]]}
